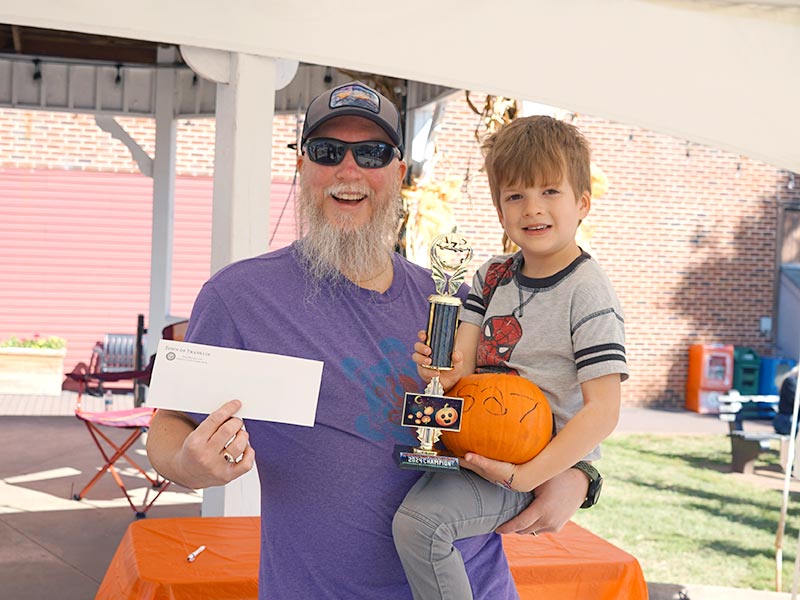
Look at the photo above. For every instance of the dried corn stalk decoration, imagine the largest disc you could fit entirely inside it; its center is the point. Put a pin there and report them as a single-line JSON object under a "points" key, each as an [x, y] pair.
{"points": [[496, 111], [429, 210]]}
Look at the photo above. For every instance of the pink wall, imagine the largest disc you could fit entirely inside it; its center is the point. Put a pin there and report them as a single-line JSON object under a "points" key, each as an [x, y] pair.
{"points": [[75, 251]]}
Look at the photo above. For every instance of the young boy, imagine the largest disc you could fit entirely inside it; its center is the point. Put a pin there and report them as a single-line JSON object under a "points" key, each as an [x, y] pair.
{"points": [[562, 328]]}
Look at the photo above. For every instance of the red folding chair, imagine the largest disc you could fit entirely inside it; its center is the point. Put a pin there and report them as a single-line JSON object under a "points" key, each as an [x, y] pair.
{"points": [[136, 420]]}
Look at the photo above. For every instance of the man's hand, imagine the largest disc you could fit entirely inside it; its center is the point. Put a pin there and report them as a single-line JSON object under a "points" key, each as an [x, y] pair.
{"points": [[554, 504], [215, 452]]}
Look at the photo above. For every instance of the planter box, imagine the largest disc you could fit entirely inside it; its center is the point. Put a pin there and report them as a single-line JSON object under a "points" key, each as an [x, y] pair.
{"points": [[33, 371]]}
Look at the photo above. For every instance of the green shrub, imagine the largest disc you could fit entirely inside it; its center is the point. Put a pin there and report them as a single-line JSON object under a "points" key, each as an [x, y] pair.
{"points": [[52, 342]]}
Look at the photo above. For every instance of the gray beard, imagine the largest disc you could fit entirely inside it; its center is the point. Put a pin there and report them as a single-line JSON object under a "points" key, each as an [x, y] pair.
{"points": [[336, 252]]}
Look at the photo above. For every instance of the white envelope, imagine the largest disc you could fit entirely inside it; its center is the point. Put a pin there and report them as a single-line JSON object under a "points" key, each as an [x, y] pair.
{"points": [[199, 378]]}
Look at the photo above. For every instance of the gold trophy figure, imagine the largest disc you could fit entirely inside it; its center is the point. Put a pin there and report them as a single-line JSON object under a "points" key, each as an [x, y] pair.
{"points": [[432, 411]]}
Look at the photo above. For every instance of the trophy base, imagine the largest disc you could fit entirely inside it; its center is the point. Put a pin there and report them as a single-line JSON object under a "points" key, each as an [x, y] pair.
{"points": [[406, 458]]}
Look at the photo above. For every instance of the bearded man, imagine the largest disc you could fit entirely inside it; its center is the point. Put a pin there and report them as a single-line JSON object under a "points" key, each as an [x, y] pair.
{"points": [[342, 296]]}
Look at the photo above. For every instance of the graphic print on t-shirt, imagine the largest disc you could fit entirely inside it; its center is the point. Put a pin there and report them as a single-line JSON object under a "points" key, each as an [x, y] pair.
{"points": [[500, 334], [384, 395]]}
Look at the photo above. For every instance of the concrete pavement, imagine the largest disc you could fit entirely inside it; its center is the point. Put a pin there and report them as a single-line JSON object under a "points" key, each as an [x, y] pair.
{"points": [[54, 547]]}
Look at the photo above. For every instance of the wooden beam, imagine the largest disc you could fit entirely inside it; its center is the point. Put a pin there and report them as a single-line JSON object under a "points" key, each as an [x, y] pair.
{"points": [[16, 36]]}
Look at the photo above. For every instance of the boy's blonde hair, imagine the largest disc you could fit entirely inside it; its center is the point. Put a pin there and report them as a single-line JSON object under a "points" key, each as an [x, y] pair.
{"points": [[536, 150]]}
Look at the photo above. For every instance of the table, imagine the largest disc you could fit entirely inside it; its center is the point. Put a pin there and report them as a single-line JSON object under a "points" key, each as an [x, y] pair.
{"points": [[150, 563], [573, 564]]}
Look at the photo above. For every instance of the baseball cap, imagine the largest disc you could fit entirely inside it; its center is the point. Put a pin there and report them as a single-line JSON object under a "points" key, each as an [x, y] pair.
{"points": [[357, 99]]}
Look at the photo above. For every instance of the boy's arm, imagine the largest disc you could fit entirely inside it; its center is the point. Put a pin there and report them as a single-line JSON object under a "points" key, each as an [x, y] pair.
{"points": [[582, 433], [464, 356]]}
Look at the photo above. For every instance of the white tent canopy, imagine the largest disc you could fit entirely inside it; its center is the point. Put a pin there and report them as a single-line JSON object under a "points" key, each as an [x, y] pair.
{"points": [[719, 73], [722, 73]]}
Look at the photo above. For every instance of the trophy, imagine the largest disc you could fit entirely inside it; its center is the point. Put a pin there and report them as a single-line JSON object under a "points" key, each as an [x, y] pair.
{"points": [[431, 411]]}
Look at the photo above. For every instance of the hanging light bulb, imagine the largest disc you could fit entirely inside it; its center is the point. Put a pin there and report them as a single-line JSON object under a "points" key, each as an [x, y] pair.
{"points": [[37, 72], [738, 170]]}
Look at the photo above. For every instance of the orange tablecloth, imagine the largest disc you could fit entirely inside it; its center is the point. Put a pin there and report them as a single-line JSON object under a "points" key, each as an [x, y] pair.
{"points": [[150, 563], [573, 564]]}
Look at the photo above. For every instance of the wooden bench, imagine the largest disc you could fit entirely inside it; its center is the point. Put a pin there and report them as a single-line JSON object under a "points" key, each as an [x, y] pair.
{"points": [[746, 446]]}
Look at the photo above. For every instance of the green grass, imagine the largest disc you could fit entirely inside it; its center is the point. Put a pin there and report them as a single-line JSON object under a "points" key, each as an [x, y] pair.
{"points": [[672, 502]]}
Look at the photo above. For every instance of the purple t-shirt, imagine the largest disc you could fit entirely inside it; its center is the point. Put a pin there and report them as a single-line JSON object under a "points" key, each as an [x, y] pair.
{"points": [[329, 492]]}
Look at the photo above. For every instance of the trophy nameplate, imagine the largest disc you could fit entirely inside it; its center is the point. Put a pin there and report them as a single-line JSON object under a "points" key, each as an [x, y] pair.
{"points": [[432, 411]]}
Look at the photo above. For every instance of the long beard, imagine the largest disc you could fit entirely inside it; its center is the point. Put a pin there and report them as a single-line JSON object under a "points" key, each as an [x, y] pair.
{"points": [[340, 250]]}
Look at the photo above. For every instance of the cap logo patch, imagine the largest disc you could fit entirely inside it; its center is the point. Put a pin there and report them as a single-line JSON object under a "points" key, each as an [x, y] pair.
{"points": [[356, 95]]}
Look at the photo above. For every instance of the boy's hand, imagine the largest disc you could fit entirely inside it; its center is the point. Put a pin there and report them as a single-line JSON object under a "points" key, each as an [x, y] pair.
{"points": [[421, 357]]}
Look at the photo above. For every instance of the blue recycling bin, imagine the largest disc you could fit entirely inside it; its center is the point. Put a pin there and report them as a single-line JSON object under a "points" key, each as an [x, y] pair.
{"points": [[771, 369]]}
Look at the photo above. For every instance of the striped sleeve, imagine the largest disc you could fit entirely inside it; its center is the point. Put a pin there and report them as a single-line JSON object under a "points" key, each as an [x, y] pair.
{"points": [[599, 341]]}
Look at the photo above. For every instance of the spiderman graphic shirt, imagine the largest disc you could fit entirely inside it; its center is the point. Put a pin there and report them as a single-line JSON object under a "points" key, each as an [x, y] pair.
{"points": [[557, 331]]}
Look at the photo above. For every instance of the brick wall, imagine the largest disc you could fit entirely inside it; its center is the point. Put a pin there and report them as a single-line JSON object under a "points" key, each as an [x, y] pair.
{"points": [[687, 233]]}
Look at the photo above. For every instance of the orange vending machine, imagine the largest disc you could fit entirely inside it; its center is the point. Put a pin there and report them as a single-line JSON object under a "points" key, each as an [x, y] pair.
{"points": [[710, 374]]}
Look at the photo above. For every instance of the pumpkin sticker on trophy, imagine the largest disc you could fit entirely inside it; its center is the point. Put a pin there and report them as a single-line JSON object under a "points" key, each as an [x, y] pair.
{"points": [[431, 412]]}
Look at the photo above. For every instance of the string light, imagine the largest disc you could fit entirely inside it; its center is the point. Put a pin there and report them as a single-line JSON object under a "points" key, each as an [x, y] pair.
{"points": [[790, 183], [118, 78], [738, 170], [53, 60], [37, 71]]}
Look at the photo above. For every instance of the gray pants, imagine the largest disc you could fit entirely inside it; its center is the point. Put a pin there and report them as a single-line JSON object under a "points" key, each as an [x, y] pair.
{"points": [[442, 508]]}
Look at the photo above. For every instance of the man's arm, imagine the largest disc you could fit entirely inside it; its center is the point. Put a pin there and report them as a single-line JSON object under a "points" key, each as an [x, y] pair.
{"points": [[195, 456]]}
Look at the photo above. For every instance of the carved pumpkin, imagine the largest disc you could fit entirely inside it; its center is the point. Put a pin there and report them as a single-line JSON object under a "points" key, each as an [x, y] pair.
{"points": [[504, 417]]}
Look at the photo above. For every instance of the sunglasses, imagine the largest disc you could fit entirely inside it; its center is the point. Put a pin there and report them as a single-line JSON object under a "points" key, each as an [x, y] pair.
{"points": [[368, 155]]}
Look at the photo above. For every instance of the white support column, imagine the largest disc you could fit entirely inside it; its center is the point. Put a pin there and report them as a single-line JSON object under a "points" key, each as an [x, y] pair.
{"points": [[163, 200], [245, 109]]}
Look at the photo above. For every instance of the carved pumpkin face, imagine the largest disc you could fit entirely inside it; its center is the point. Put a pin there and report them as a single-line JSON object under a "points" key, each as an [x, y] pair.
{"points": [[447, 416], [505, 417]]}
